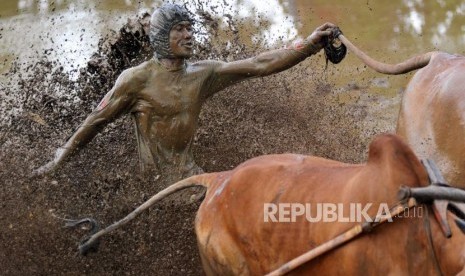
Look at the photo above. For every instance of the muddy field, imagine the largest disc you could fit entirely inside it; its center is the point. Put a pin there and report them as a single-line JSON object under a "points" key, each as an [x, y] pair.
{"points": [[298, 111]]}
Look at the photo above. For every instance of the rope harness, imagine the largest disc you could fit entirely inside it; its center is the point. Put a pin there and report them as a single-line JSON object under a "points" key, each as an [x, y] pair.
{"points": [[335, 50], [429, 235]]}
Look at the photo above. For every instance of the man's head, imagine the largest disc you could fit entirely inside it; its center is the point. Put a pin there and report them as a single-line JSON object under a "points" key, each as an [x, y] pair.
{"points": [[171, 32]]}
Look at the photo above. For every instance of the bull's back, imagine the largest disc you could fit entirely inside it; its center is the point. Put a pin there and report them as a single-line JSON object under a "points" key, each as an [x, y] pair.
{"points": [[432, 115], [232, 215]]}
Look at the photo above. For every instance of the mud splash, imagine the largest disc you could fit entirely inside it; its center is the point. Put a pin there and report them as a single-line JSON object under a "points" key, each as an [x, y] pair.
{"points": [[296, 111]]}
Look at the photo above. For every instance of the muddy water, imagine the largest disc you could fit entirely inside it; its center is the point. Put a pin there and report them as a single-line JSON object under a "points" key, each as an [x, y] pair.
{"points": [[68, 31], [332, 113], [395, 29]]}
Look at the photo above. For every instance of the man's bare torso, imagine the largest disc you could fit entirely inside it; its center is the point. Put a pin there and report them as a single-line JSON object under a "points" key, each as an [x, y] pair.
{"points": [[166, 114]]}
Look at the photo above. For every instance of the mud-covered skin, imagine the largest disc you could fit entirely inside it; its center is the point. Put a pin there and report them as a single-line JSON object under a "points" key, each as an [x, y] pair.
{"points": [[165, 98]]}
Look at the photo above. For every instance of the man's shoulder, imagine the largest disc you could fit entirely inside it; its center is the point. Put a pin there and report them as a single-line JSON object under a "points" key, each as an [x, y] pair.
{"points": [[135, 78], [139, 72], [142, 69]]}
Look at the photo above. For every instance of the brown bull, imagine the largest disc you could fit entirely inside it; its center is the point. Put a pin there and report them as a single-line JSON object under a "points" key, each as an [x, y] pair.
{"points": [[234, 238], [432, 115]]}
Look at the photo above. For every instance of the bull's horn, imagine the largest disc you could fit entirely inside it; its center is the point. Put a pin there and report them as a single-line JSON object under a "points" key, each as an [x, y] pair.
{"points": [[411, 64], [433, 192]]}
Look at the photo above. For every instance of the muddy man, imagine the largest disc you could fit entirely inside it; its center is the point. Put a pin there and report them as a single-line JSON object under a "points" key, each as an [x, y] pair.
{"points": [[166, 93]]}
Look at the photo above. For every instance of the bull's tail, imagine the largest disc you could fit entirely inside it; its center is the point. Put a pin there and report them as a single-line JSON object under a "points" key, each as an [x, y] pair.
{"points": [[409, 65], [204, 180]]}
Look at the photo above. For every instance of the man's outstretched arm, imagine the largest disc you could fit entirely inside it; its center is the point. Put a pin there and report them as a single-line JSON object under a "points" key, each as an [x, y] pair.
{"points": [[270, 62], [117, 101]]}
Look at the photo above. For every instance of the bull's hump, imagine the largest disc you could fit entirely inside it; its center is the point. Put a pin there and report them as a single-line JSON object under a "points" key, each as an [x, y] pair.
{"points": [[387, 146], [390, 151]]}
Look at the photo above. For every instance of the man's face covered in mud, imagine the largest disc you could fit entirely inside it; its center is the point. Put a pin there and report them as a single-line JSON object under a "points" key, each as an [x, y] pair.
{"points": [[171, 32]]}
